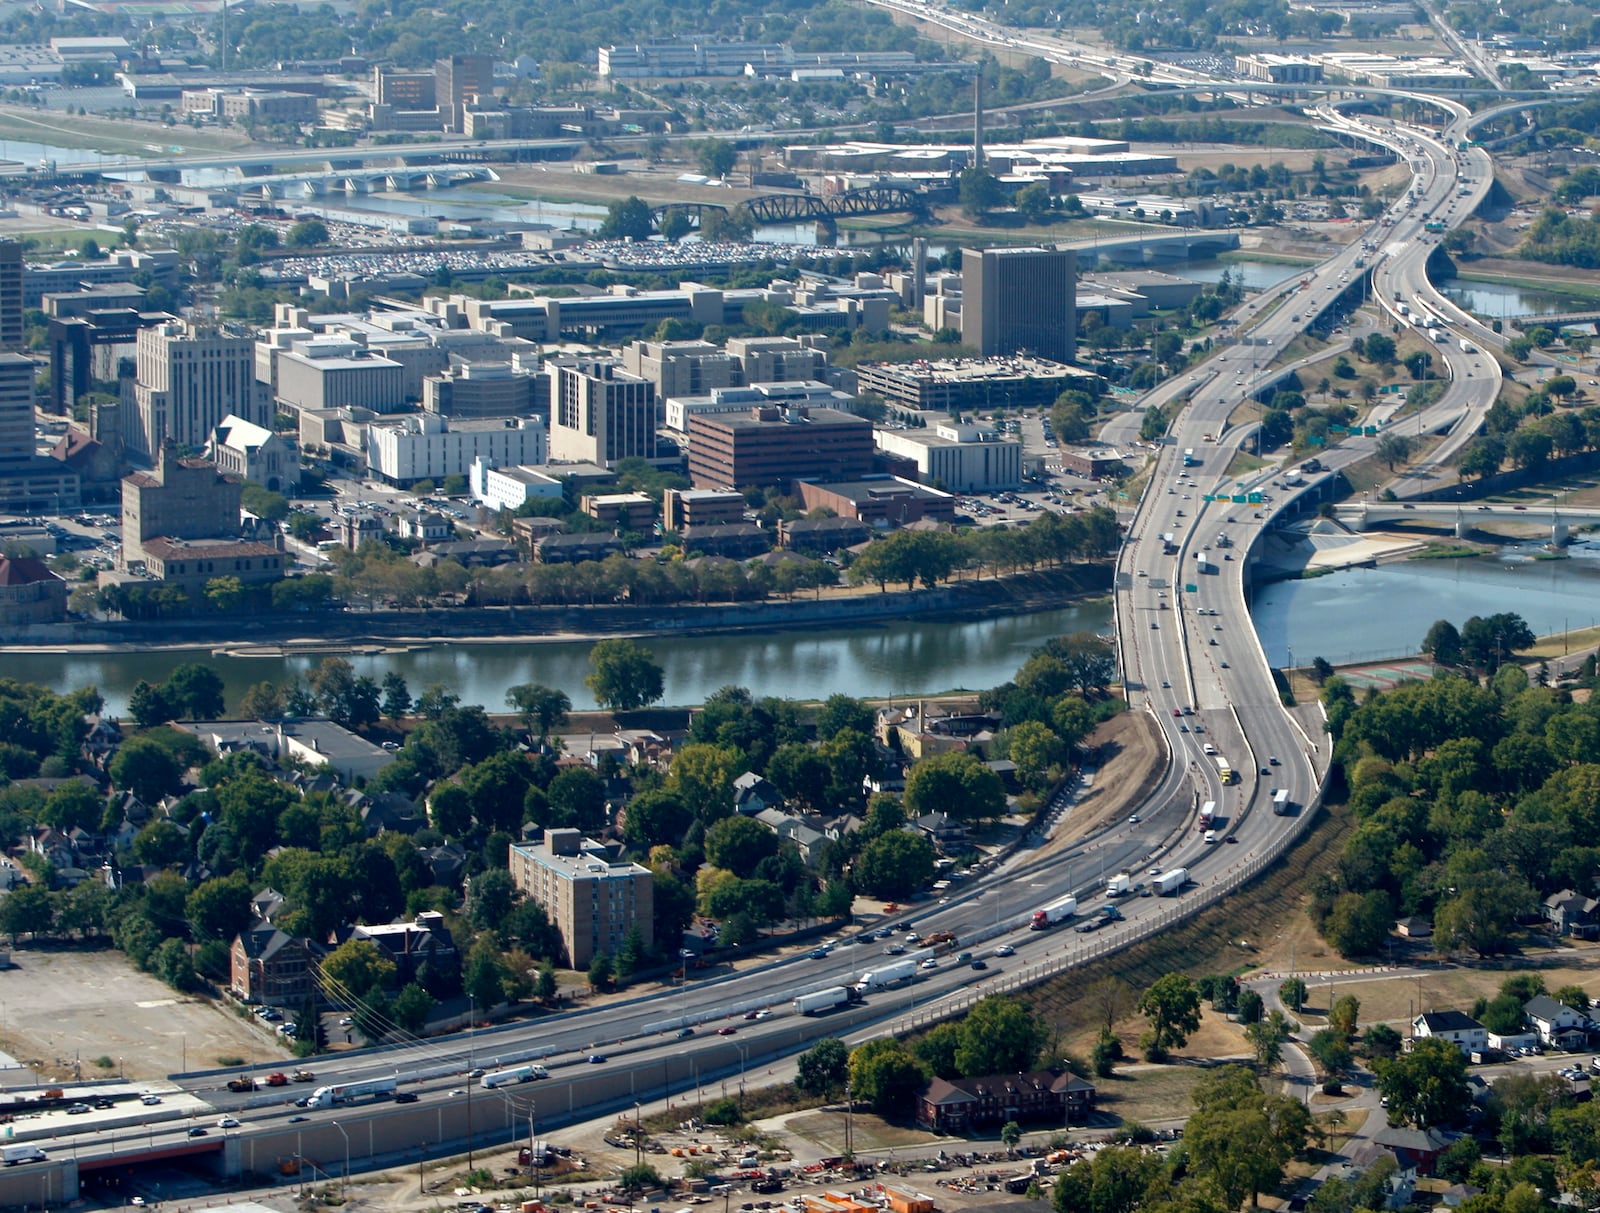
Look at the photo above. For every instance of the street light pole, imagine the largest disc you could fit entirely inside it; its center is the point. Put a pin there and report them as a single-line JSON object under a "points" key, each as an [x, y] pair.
{"points": [[344, 1186]]}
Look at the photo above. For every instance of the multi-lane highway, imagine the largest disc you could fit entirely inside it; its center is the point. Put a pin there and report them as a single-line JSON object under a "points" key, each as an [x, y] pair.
{"points": [[1190, 658]]}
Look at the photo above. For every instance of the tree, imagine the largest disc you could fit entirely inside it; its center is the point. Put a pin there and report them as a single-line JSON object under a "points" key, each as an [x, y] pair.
{"points": [[1393, 448], [1380, 1041], [308, 233], [627, 219], [999, 1036], [840, 712], [1331, 1051], [1266, 1037], [1379, 348], [148, 706], [1172, 1005], [1293, 993], [822, 1069], [955, 783], [1427, 1086], [396, 695], [1010, 1134], [1483, 914], [1419, 364], [888, 1076], [1358, 924], [195, 692], [1241, 1139], [577, 799], [1344, 1016], [624, 675], [737, 844], [1561, 386], [146, 768], [412, 1006], [894, 866], [355, 969], [541, 707], [1443, 642], [716, 157], [979, 192]]}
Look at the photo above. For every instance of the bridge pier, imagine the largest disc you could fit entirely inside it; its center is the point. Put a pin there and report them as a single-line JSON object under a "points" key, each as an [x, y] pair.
{"points": [[1463, 525], [1558, 534]]}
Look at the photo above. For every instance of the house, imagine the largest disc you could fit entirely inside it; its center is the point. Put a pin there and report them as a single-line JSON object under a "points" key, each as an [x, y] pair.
{"points": [[1415, 1149], [1457, 1195], [1414, 927], [752, 793], [410, 945], [444, 863], [271, 966], [944, 831], [806, 832], [1558, 1025], [1465, 1032], [1571, 913], [1043, 1096]]}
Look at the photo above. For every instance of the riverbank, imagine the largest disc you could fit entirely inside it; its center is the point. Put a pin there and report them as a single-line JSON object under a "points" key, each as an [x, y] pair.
{"points": [[374, 633]]}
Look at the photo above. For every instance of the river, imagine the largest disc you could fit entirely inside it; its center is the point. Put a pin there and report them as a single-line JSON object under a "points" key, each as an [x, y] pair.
{"points": [[1500, 300], [904, 658]]}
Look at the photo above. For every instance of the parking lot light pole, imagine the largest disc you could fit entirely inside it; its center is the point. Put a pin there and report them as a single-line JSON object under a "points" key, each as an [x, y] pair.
{"points": [[344, 1183]]}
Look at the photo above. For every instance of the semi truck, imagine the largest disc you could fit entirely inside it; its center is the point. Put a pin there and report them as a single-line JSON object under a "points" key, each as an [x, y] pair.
{"points": [[1403, 308], [1280, 802], [822, 1000], [350, 1092], [1170, 882], [1224, 768], [887, 975], [504, 1078], [24, 1153], [1467, 347], [1208, 814], [1119, 885], [1202, 564], [1057, 911]]}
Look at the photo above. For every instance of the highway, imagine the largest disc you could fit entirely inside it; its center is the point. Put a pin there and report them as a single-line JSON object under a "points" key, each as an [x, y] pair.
{"points": [[1190, 658]]}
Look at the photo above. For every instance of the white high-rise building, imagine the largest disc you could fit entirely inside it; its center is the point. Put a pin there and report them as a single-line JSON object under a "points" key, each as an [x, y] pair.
{"points": [[187, 379]]}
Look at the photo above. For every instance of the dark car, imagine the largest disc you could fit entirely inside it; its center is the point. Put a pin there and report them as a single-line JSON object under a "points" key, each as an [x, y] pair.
{"points": [[727, 1031], [405, 1097], [682, 1032], [597, 1059], [978, 964], [197, 1131]]}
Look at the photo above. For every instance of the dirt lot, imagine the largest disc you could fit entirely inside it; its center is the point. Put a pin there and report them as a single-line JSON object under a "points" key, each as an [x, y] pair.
{"points": [[1130, 757], [60, 1005]]}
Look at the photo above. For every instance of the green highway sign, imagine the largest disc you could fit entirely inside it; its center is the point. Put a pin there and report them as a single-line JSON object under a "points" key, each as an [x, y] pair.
{"points": [[1191, 589], [1255, 499]]}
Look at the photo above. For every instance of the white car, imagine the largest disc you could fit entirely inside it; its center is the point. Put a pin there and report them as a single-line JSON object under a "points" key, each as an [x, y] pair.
{"points": [[149, 1101], [930, 963], [228, 1122], [1005, 949]]}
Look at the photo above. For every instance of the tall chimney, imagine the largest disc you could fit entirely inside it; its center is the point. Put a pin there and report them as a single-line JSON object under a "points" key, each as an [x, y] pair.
{"points": [[977, 119]]}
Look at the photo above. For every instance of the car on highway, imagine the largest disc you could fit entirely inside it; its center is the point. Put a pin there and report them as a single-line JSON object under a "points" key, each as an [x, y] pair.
{"points": [[149, 1101], [1133, 819], [78, 1109], [1005, 949], [405, 1097], [197, 1131], [980, 964], [930, 963], [682, 1032], [818, 953], [597, 1059], [730, 1031], [228, 1122], [295, 1120]]}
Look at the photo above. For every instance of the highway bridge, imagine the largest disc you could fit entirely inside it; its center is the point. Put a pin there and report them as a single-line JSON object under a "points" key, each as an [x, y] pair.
{"points": [[1465, 519], [1190, 659]]}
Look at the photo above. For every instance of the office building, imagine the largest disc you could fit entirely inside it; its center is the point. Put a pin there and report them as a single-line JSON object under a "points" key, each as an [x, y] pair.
{"points": [[594, 901], [959, 458], [187, 379], [488, 389], [682, 508], [1019, 300], [956, 384], [681, 368], [427, 447], [599, 414], [777, 446], [678, 409], [180, 523], [403, 90], [1279, 69], [11, 337], [30, 592], [510, 488], [459, 82], [880, 501], [29, 482], [780, 359], [333, 372]]}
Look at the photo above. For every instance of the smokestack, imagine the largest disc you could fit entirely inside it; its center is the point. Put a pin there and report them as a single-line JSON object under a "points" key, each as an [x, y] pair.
{"points": [[977, 120], [919, 272]]}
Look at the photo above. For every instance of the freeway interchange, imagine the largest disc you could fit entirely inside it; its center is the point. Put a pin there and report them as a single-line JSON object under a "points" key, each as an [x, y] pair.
{"points": [[1189, 657]]}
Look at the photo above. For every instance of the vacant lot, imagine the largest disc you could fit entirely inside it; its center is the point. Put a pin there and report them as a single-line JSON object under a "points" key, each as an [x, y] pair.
{"points": [[58, 1007]]}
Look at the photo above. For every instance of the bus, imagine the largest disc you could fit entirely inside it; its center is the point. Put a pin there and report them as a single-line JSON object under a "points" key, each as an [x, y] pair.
{"points": [[1280, 802], [1188, 457], [1224, 770]]}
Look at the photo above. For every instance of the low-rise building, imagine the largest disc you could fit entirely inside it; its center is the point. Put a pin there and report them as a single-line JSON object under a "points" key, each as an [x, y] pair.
{"points": [[1558, 1025], [958, 458], [270, 967], [592, 900], [1461, 1029], [622, 511], [574, 549], [821, 536], [313, 740], [1278, 69], [961, 384], [510, 488], [771, 445], [30, 592], [682, 508], [735, 540], [252, 452], [428, 447], [960, 1106], [879, 501]]}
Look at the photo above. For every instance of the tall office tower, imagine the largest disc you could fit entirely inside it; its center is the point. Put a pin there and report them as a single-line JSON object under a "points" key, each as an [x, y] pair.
{"points": [[600, 413], [1020, 300], [458, 79], [10, 295], [16, 411], [187, 379]]}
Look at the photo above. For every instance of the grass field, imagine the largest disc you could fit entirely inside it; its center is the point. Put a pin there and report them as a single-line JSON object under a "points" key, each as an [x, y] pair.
{"points": [[868, 1133], [120, 136]]}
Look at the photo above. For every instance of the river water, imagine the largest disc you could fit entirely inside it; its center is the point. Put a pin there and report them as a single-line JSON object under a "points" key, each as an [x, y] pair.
{"points": [[903, 658], [1499, 300]]}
